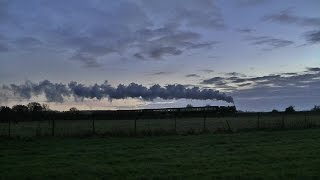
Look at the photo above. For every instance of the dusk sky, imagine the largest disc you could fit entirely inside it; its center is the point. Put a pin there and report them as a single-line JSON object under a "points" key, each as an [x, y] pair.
{"points": [[263, 53]]}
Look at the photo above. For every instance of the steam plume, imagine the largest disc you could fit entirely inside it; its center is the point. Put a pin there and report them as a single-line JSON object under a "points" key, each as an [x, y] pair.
{"points": [[55, 92]]}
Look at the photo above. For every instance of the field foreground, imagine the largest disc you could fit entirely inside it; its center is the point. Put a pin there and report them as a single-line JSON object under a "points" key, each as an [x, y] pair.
{"points": [[289, 154]]}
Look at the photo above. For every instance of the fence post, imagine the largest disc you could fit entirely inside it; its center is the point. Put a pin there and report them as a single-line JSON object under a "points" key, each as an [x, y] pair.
{"points": [[52, 127], [258, 123], [305, 120], [229, 128], [282, 121], [9, 127], [175, 122], [135, 125], [204, 122], [93, 127]]}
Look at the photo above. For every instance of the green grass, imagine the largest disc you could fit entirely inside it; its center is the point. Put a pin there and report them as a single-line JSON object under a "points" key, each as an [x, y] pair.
{"points": [[292, 154]]}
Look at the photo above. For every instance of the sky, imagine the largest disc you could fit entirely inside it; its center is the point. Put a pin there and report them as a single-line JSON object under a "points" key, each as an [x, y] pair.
{"points": [[124, 54]]}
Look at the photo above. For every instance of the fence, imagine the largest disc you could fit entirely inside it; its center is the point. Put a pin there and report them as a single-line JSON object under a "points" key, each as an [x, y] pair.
{"points": [[160, 125]]}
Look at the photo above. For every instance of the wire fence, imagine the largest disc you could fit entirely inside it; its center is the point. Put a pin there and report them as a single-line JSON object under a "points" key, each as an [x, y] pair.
{"points": [[154, 126]]}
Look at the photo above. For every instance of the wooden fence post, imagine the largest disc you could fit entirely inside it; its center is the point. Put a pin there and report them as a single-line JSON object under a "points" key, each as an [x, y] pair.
{"points": [[175, 122], [52, 127], [258, 122], [93, 127], [282, 121], [9, 127], [305, 120], [229, 128], [204, 122], [135, 125]]}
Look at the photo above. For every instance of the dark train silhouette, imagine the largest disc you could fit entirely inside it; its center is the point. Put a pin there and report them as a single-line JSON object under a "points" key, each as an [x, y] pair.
{"points": [[213, 111]]}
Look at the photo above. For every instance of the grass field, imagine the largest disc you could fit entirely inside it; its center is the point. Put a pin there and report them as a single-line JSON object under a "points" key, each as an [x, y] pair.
{"points": [[291, 154], [160, 126]]}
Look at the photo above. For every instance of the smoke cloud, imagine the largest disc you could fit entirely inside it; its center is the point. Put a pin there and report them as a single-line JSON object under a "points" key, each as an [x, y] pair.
{"points": [[55, 92]]}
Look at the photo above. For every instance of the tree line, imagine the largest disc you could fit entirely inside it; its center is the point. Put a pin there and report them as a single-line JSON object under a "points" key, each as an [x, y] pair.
{"points": [[36, 111]]}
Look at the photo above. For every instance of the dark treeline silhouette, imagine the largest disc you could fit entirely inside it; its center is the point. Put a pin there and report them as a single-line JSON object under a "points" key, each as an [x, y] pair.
{"points": [[36, 111]]}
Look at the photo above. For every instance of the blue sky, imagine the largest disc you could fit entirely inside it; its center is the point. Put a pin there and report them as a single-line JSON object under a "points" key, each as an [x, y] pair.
{"points": [[263, 53]]}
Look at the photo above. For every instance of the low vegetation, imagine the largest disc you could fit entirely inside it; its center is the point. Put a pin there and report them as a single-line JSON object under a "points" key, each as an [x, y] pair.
{"points": [[291, 154]]}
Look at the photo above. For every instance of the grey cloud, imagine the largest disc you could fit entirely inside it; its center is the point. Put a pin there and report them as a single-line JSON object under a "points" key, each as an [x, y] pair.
{"points": [[279, 80], [250, 2], [55, 92], [263, 78], [290, 74], [239, 80], [315, 69], [121, 28], [204, 14], [269, 42], [160, 73], [139, 56], [27, 42], [213, 80], [245, 30], [203, 45], [234, 74], [287, 17], [87, 60], [207, 70], [171, 43], [244, 85], [313, 37], [4, 48], [293, 86], [192, 75], [161, 51]]}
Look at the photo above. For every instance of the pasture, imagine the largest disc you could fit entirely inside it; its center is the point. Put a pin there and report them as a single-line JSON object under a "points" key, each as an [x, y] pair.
{"points": [[161, 126], [290, 154]]}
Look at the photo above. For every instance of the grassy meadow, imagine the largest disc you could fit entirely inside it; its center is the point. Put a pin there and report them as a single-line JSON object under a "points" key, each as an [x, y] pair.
{"points": [[290, 154], [160, 126]]}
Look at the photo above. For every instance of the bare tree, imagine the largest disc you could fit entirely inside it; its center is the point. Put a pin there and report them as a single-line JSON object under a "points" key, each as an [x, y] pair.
{"points": [[34, 107]]}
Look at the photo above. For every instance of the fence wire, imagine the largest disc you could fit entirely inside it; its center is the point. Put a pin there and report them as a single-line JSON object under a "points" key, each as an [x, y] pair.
{"points": [[179, 125]]}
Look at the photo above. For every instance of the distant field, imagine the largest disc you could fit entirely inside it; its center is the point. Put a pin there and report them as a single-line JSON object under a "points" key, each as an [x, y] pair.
{"points": [[164, 126], [292, 154]]}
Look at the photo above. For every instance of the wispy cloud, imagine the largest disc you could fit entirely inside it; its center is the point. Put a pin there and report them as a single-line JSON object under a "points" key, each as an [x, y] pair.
{"points": [[192, 75], [250, 2], [287, 17], [313, 37], [269, 43], [245, 30]]}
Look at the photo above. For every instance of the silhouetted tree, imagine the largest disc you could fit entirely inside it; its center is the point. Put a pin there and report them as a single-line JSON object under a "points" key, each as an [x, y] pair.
{"points": [[34, 107], [290, 109], [316, 108], [20, 108], [189, 106], [5, 109], [45, 107], [274, 111], [4, 113]]}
